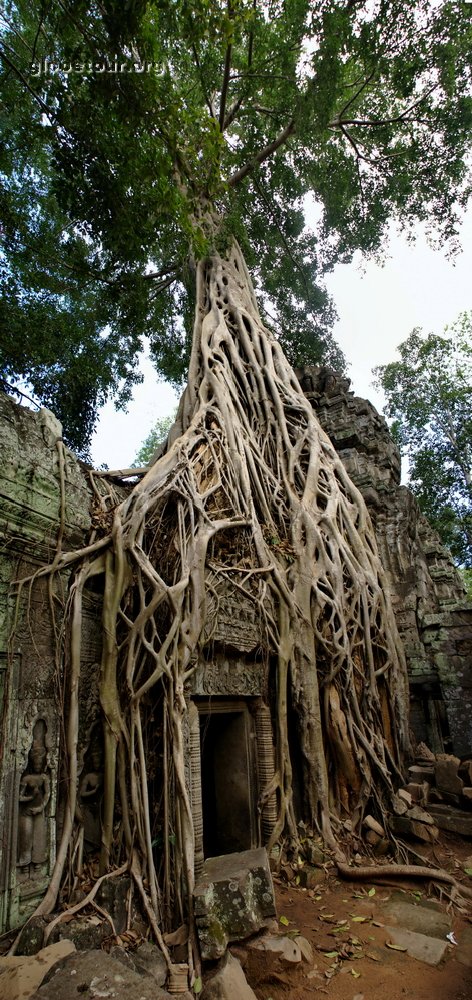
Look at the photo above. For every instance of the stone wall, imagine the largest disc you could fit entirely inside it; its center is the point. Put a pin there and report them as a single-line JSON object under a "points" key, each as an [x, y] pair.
{"points": [[31, 501], [433, 618]]}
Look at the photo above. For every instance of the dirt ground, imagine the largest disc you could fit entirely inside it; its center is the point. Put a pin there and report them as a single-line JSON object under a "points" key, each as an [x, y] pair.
{"points": [[345, 924]]}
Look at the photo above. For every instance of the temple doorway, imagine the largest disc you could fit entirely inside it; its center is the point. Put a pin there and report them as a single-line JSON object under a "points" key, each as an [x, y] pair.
{"points": [[228, 777]]}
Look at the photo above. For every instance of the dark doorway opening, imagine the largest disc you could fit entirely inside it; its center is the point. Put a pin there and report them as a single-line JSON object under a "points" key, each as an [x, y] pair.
{"points": [[227, 784]]}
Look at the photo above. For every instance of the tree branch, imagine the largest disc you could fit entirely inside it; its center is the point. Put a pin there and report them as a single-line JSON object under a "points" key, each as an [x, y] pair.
{"points": [[225, 85], [263, 154], [19, 74], [199, 68]]}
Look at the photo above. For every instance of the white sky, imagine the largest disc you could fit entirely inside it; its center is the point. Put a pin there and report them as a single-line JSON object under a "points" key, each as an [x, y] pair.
{"points": [[378, 306]]}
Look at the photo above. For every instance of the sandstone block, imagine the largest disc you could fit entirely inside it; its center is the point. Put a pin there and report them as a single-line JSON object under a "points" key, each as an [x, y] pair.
{"points": [[399, 804], [229, 982], [419, 773], [447, 778], [372, 824], [455, 820], [234, 897]]}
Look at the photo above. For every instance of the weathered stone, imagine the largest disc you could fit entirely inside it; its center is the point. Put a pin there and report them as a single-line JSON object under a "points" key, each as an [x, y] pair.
{"points": [[454, 820], [426, 949], [313, 852], [286, 948], [404, 794], [423, 753], [229, 983], [310, 876], [416, 790], [399, 805], [97, 976], [372, 824], [417, 813], [467, 794], [447, 778], [422, 918], [22, 975], [420, 773], [234, 896], [372, 838], [305, 948], [406, 827], [149, 960]]}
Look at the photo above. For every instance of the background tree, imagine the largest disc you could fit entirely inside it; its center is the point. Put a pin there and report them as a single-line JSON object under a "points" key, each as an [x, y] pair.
{"points": [[429, 398], [107, 169], [156, 436]]}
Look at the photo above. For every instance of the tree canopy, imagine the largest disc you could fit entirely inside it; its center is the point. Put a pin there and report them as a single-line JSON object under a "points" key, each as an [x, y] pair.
{"points": [[156, 436], [128, 129], [429, 398]]}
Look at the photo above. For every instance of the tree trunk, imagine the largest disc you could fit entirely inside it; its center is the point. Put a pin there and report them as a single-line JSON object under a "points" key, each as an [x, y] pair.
{"points": [[250, 496]]}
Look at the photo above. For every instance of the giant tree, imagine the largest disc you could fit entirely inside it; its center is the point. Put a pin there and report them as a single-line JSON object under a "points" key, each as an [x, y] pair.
{"points": [[170, 178]]}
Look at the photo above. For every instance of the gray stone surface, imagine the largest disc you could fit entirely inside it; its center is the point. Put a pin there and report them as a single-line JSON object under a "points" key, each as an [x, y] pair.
{"points": [[426, 949], [97, 976], [149, 960], [234, 897], [229, 983], [454, 820], [428, 920], [286, 948]]}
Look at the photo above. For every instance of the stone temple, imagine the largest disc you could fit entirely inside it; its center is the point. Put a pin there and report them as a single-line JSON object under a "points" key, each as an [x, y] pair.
{"points": [[230, 756]]}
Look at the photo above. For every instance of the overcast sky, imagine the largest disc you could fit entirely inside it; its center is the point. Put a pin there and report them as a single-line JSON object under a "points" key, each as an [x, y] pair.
{"points": [[378, 306]]}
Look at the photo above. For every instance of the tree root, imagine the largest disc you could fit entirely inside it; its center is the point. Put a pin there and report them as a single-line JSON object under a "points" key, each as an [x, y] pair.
{"points": [[380, 873]]}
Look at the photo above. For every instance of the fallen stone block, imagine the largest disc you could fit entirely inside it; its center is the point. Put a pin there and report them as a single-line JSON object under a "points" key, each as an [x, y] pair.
{"points": [[419, 791], [285, 948], [417, 813], [446, 772], [310, 876], [372, 824], [404, 794], [419, 773], [455, 820], [229, 982], [95, 975], [467, 794], [305, 948], [234, 898], [420, 946], [406, 827], [22, 975], [427, 919], [400, 805]]}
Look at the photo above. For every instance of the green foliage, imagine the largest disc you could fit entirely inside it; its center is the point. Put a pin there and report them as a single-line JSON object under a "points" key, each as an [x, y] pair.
{"points": [[466, 574], [429, 398], [155, 437], [166, 129]]}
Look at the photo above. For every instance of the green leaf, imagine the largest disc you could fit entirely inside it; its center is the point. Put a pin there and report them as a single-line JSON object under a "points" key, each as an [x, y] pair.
{"points": [[284, 920], [371, 892], [197, 986], [468, 871]]}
